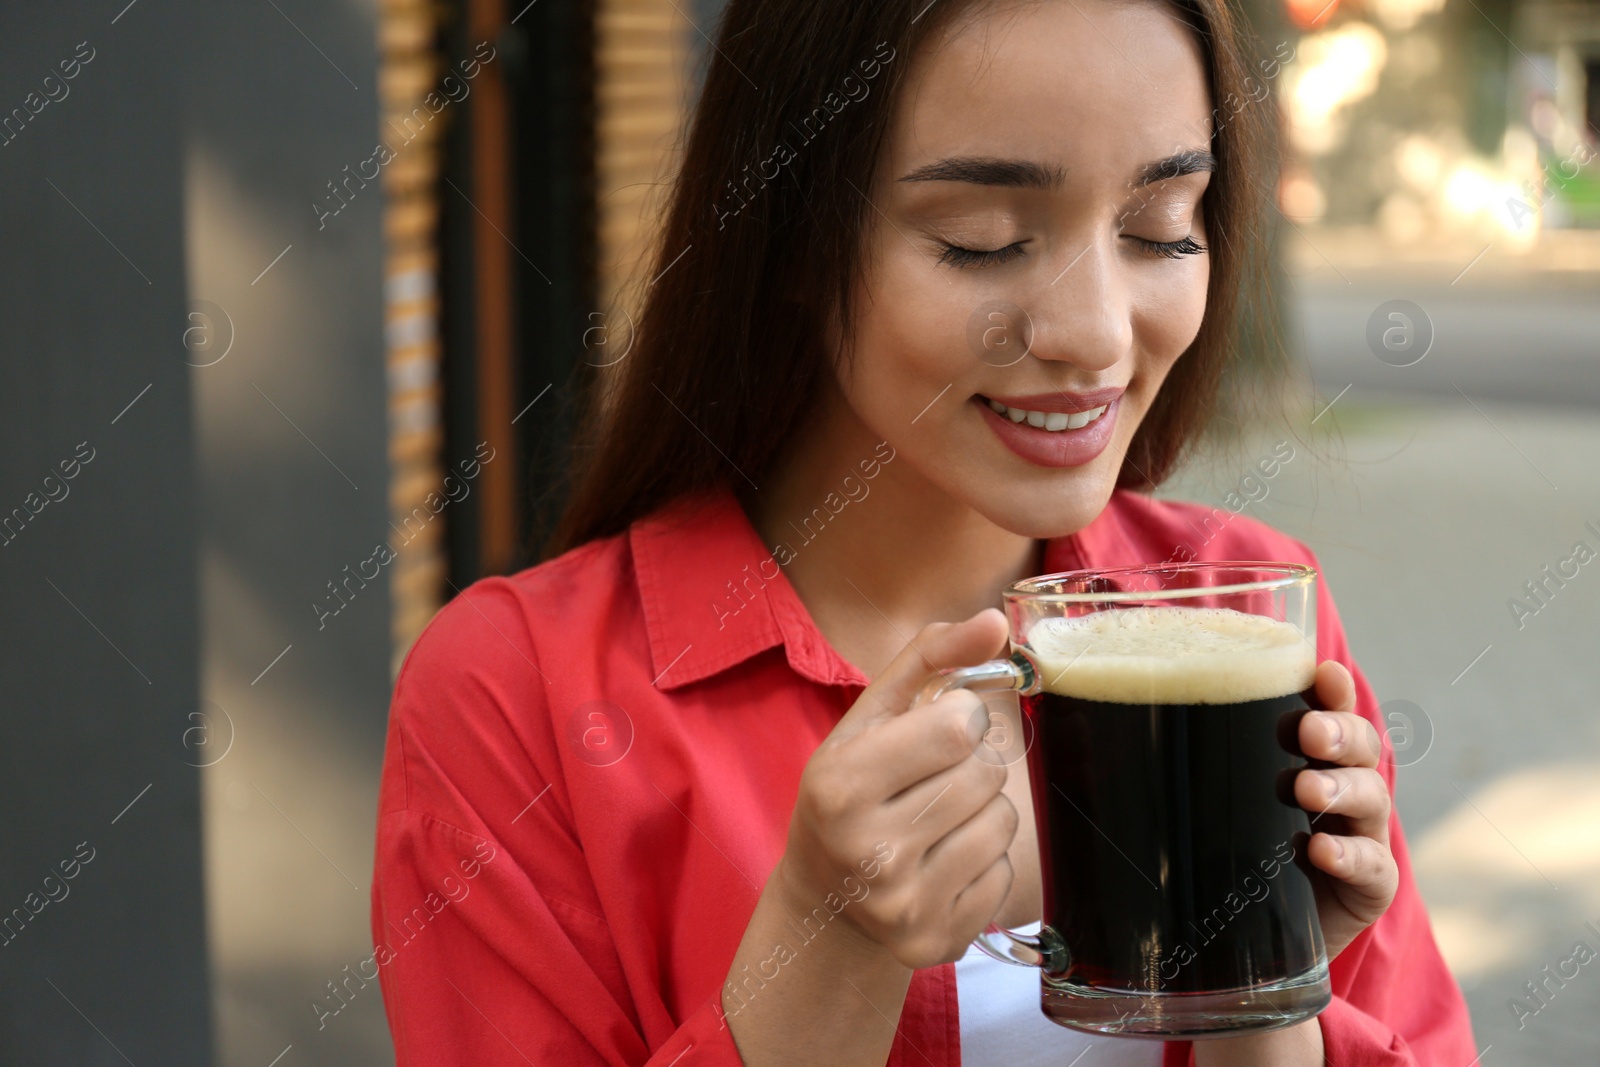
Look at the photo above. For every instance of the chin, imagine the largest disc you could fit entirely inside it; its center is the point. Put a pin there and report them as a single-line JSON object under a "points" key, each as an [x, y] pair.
{"points": [[1041, 511]]}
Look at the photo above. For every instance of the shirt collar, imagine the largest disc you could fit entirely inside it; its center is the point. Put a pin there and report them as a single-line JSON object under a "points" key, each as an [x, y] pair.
{"points": [[714, 596]]}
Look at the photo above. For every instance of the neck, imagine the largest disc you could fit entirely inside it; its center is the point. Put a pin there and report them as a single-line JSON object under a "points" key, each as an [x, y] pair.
{"points": [[875, 551]]}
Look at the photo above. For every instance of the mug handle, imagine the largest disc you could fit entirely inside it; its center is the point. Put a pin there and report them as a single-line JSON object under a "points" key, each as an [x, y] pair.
{"points": [[1016, 673]]}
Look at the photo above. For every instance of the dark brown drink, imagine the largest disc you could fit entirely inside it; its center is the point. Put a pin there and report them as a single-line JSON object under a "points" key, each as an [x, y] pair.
{"points": [[1169, 841]]}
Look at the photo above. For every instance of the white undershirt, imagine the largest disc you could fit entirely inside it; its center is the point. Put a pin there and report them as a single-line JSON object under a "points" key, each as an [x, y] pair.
{"points": [[1002, 1026]]}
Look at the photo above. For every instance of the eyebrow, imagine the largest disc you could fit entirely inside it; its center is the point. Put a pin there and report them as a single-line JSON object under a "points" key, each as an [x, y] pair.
{"points": [[1028, 174], [1189, 161], [986, 170]]}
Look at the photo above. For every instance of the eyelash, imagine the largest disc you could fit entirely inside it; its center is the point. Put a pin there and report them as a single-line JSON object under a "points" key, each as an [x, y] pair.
{"points": [[1188, 246], [957, 256]]}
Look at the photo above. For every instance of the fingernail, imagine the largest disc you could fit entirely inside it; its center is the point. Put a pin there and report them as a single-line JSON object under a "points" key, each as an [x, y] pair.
{"points": [[1329, 786], [1338, 848], [1338, 731]]}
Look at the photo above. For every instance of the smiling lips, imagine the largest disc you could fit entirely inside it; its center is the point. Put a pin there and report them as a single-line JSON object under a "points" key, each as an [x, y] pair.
{"points": [[1048, 420], [1053, 429]]}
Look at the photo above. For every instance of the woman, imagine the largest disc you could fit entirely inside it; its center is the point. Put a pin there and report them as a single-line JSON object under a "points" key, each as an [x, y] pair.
{"points": [[942, 286]]}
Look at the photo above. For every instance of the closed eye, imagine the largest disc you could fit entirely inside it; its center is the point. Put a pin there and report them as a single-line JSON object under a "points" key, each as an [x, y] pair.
{"points": [[957, 256], [1188, 246]]}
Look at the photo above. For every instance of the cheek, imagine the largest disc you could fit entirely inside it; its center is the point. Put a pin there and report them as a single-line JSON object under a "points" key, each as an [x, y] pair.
{"points": [[1168, 316], [909, 335]]}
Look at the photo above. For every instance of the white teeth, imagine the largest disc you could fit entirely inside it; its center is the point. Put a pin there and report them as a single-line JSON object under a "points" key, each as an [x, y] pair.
{"points": [[1083, 418], [1049, 420]]}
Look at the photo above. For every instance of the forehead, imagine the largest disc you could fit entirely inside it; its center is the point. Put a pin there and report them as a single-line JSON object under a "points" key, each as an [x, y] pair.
{"points": [[1107, 83]]}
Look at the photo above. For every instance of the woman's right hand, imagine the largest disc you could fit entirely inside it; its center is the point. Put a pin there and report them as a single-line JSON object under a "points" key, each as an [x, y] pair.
{"points": [[910, 784]]}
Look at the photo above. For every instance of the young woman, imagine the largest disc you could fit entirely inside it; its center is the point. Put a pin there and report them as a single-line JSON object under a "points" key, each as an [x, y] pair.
{"points": [[943, 287]]}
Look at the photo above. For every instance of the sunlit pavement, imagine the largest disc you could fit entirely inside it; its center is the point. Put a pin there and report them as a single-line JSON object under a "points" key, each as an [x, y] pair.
{"points": [[1428, 519], [1460, 319]]}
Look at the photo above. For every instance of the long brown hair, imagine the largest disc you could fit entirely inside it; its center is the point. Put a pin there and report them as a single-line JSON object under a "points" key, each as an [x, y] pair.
{"points": [[725, 359]]}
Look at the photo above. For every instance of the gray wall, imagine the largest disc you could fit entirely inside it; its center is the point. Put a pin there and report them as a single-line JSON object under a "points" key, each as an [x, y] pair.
{"points": [[293, 488], [98, 650], [188, 552]]}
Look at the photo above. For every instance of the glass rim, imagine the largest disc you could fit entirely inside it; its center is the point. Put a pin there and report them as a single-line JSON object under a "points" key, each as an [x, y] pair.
{"points": [[1288, 576]]}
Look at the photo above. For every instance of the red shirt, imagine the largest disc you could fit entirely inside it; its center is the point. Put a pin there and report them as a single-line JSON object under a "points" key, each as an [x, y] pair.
{"points": [[589, 774]]}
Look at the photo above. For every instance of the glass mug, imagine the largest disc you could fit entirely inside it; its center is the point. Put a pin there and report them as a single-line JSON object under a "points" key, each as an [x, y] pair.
{"points": [[1164, 704]]}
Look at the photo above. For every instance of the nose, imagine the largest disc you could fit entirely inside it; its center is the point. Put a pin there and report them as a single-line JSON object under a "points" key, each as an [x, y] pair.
{"points": [[1085, 315]]}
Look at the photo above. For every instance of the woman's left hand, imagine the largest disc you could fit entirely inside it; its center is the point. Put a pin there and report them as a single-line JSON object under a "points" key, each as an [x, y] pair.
{"points": [[1349, 807]]}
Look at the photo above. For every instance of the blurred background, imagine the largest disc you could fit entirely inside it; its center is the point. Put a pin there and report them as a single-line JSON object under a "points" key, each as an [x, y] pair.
{"points": [[290, 296]]}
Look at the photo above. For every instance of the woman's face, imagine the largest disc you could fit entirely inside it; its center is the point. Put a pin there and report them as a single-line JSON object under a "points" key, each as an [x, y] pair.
{"points": [[1036, 243]]}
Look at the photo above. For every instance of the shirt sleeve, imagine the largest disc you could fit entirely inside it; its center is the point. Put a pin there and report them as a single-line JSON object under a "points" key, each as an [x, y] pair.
{"points": [[1395, 1002], [491, 946]]}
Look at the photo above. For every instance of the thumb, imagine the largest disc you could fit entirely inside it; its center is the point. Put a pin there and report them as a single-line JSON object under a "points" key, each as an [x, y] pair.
{"points": [[938, 646]]}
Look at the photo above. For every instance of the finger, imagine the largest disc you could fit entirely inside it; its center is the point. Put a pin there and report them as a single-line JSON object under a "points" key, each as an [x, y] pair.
{"points": [[1341, 737], [964, 918], [923, 742], [975, 907], [1364, 872], [938, 646], [974, 845], [1335, 688], [937, 805], [1358, 794]]}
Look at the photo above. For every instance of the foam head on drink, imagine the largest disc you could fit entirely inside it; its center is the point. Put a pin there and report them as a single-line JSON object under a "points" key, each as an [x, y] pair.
{"points": [[1171, 655]]}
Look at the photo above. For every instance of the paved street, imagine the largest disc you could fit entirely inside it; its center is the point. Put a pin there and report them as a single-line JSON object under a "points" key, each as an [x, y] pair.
{"points": [[1535, 340]]}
